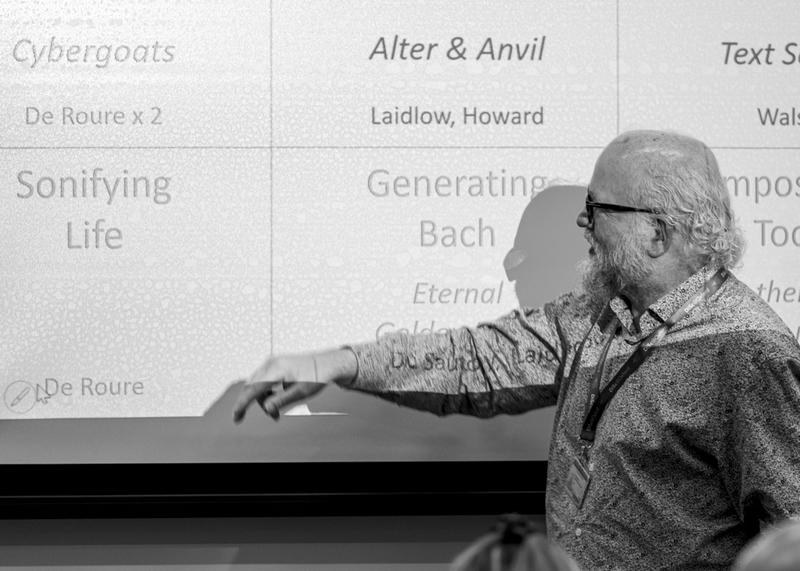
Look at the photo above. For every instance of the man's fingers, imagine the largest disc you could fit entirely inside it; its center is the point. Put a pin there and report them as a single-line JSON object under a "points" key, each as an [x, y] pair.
{"points": [[295, 392], [249, 393], [293, 373], [271, 406]]}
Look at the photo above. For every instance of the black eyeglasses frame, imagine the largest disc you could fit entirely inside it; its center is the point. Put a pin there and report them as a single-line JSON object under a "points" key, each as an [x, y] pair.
{"points": [[590, 205]]}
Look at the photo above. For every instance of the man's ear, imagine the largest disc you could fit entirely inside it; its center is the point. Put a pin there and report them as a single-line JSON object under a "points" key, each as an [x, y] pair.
{"points": [[660, 239]]}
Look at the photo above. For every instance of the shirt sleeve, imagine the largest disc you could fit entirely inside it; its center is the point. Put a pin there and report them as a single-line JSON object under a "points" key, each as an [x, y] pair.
{"points": [[510, 365], [761, 463]]}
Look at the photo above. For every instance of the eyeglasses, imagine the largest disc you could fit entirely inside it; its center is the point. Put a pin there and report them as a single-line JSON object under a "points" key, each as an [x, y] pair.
{"points": [[590, 206]]}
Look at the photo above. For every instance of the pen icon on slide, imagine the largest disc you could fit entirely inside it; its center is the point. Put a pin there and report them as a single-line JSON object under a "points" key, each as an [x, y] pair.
{"points": [[19, 397]]}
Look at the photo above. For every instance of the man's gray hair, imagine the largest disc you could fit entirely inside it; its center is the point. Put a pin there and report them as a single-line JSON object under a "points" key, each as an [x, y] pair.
{"points": [[679, 177]]}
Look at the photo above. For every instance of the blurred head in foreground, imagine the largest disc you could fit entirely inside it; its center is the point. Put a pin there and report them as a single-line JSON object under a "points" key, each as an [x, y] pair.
{"points": [[514, 544], [777, 549]]}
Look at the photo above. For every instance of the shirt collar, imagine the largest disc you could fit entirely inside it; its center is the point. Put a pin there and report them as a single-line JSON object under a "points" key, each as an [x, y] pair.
{"points": [[661, 310]]}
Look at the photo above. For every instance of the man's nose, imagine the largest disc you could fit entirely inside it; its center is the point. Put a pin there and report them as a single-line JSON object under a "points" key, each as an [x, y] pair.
{"points": [[583, 219]]}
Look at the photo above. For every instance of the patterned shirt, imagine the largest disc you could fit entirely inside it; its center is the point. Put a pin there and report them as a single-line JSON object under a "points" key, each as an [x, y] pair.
{"points": [[699, 447]]}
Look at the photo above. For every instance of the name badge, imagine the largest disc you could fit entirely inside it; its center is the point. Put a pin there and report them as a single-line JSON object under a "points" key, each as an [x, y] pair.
{"points": [[577, 481]]}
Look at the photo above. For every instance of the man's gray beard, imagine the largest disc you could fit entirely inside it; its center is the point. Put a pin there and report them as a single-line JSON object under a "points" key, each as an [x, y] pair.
{"points": [[599, 285], [608, 273]]}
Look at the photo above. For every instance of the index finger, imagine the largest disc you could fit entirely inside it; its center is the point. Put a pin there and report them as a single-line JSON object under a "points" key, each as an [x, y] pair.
{"points": [[250, 392]]}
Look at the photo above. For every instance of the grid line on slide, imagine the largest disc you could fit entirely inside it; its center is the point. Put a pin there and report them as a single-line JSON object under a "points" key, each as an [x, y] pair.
{"points": [[360, 147], [617, 67], [271, 178]]}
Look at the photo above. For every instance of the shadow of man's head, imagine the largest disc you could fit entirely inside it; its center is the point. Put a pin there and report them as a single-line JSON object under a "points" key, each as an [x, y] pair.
{"points": [[548, 246]]}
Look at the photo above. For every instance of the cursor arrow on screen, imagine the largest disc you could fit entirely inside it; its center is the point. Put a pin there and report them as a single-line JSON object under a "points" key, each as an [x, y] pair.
{"points": [[42, 395]]}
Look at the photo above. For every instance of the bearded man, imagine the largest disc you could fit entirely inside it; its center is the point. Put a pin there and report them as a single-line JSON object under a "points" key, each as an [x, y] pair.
{"points": [[677, 427]]}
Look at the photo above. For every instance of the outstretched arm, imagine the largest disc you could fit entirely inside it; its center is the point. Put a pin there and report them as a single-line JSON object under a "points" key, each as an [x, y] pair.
{"points": [[506, 366]]}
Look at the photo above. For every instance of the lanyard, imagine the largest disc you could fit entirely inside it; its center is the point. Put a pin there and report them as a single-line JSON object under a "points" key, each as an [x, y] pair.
{"points": [[601, 365], [641, 353]]}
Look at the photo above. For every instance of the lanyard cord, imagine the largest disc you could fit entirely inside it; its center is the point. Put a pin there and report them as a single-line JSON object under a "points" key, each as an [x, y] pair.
{"points": [[600, 367], [633, 362]]}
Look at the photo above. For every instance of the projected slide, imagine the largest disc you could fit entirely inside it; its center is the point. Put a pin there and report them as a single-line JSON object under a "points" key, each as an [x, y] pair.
{"points": [[185, 188]]}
